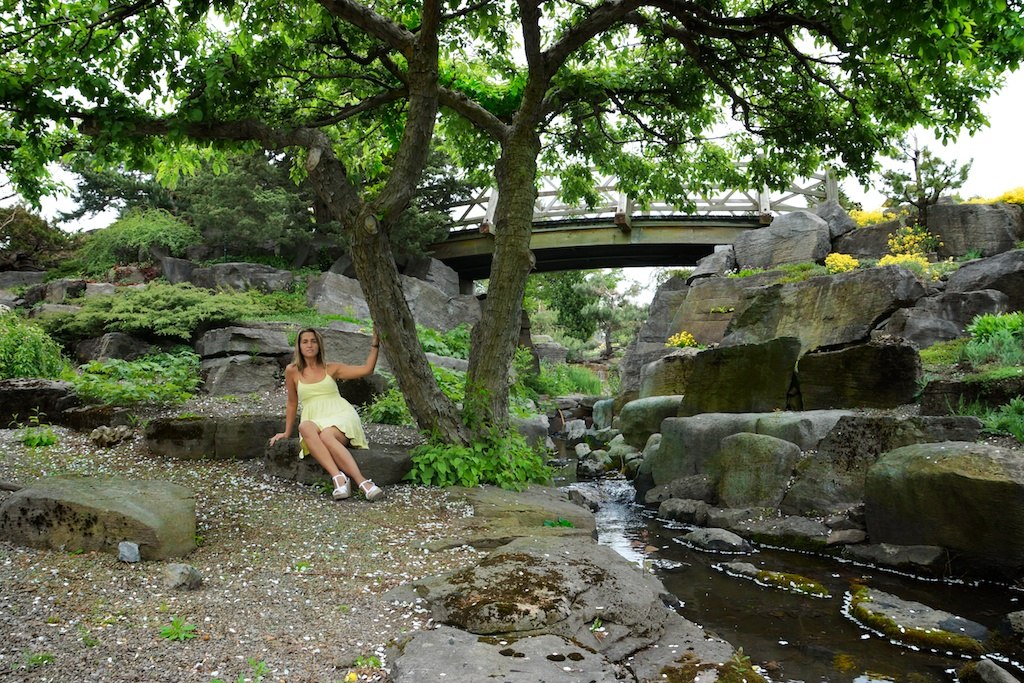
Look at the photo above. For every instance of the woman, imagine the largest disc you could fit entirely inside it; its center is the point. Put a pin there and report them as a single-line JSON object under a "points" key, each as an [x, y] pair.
{"points": [[329, 425]]}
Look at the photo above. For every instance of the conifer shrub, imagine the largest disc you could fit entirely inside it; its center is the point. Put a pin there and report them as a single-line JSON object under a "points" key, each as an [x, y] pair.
{"points": [[26, 350]]}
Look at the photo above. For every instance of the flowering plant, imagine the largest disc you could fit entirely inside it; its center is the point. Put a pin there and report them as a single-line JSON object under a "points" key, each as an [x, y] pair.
{"points": [[841, 263], [682, 339]]}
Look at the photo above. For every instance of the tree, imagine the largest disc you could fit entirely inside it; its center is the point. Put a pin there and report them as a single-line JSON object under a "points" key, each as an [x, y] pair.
{"points": [[562, 294], [929, 177], [634, 87], [27, 242], [610, 306]]}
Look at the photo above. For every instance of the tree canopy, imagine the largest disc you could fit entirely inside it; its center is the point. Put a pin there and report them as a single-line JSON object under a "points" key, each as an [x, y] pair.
{"points": [[360, 93]]}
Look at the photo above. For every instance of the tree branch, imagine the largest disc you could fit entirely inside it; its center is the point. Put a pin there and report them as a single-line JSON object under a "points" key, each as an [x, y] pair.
{"points": [[377, 25]]}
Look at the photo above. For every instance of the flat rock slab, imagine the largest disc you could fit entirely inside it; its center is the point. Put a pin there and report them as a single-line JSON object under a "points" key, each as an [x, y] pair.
{"points": [[94, 513], [470, 658], [917, 624]]}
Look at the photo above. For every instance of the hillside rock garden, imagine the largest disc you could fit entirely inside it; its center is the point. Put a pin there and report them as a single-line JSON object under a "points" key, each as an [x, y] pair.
{"points": [[804, 401]]}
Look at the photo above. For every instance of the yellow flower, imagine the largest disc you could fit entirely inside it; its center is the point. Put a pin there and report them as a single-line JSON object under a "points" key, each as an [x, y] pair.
{"points": [[841, 263], [351, 677], [682, 339]]}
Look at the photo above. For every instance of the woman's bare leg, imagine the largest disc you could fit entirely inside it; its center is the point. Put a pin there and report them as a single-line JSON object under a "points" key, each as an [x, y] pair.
{"points": [[311, 436], [337, 444]]}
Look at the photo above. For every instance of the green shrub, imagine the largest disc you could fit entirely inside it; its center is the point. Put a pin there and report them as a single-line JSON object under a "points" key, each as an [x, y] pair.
{"points": [[130, 238], [505, 460], [1001, 347], [388, 408], [798, 272], [985, 326], [158, 309], [26, 350], [1007, 419], [561, 379], [453, 343], [944, 353], [163, 378]]}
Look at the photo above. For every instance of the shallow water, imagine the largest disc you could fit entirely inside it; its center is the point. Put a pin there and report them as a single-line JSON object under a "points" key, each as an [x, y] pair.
{"points": [[793, 637]]}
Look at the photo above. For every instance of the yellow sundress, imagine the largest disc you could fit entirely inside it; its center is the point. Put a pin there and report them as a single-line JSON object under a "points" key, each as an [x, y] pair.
{"points": [[322, 404]]}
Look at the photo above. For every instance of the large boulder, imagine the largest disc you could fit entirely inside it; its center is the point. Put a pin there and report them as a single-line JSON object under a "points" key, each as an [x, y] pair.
{"points": [[98, 513], [948, 396], [1003, 272], [24, 399], [649, 343], [833, 213], [719, 262], [386, 461], [667, 376], [643, 417], [211, 438], [236, 340], [112, 345], [710, 304], [745, 378], [558, 586], [965, 497], [941, 317], [881, 374], [869, 242], [337, 294], [791, 238], [825, 311], [241, 374], [752, 470], [831, 478], [988, 228], [242, 277]]}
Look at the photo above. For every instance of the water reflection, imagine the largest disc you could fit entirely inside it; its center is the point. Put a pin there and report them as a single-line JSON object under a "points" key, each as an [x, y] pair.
{"points": [[792, 637]]}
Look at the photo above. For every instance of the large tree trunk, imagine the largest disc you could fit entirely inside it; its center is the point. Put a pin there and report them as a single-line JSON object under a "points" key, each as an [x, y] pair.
{"points": [[495, 336]]}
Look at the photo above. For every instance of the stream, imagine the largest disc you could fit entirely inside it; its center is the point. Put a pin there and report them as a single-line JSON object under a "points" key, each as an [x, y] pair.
{"points": [[794, 637]]}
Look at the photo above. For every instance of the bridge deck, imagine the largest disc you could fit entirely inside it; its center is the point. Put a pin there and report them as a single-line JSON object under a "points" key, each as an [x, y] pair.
{"points": [[586, 244]]}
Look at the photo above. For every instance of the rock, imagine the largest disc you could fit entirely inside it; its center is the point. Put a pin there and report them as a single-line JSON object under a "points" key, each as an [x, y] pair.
{"points": [[385, 462], [603, 413], [97, 513], [239, 375], [739, 379], [687, 443], [711, 303], [941, 317], [176, 270], [799, 533], [11, 279], [585, 497], [984, 671], [683, 510], [694, 487], [752, 470], [846, 537], [869, 242], [348, 343], [908, 502], [928, 560], [594, 464], [988, 228], [716, 540], [105, 437], [718, 262], [946, 396], [112, 345], [334, 293], [643, 417], [917, 624], [434, 273], [839, 222], [551, 352], [667, 376], [832, 479], [22, 400], [178, 576], [225, 342], [881, 374], [242, 277], [470, 659], [1003, 272], [128, 552], [88, 418], [649, 344], [213, 438], [825, 311], [793, 237]]}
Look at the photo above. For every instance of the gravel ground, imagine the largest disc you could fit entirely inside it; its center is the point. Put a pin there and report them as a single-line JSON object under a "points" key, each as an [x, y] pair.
{"points": [[292, 579]]}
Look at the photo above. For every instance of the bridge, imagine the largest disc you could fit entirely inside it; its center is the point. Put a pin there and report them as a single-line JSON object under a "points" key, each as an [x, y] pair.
{"points": [[616, 232]]}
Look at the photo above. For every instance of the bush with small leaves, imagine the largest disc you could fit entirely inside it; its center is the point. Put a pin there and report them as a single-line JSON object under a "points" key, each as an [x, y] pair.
{"points": [[26, 350], [841, 263]]}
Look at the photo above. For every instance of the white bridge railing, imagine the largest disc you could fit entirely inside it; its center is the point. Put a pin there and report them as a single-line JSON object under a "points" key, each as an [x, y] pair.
{"points": [[615, 206]]}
